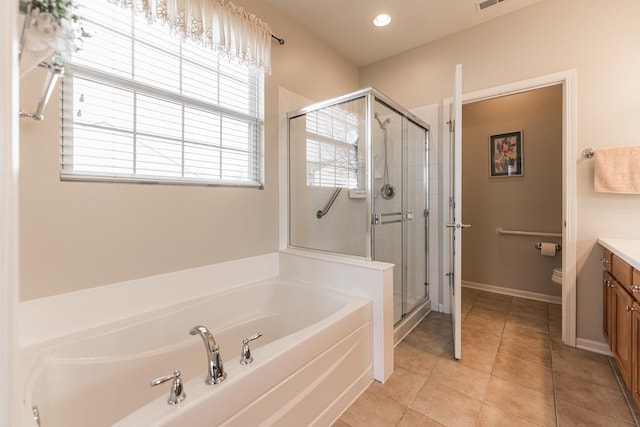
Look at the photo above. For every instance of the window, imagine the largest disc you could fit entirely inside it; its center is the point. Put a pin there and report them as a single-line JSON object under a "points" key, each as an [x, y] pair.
{"points": [[141, 104], [332, 147]]}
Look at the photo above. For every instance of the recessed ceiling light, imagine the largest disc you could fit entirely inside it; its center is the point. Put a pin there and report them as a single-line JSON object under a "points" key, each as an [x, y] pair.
{"points": [[382, 20]]}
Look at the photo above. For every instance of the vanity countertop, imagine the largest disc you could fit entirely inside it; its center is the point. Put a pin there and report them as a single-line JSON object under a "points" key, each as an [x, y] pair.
{"points": [[628, 250]]}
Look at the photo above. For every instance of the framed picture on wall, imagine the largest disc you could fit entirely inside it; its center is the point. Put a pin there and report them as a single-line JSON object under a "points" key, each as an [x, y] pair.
{"points": [[505, 155]]}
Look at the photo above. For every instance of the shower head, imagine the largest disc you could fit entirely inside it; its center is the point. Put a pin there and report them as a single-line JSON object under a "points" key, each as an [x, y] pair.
{"points": [[383, 125]]}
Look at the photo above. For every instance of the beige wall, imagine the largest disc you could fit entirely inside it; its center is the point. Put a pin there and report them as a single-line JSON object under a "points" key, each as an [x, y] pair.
{"points": [[600, 40], [529, 202], [77, 235]]}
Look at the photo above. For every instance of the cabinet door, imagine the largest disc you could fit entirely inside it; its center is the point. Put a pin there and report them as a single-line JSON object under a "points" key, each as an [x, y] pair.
{"points": [[608, 308], [621, 271], [622, 336], [635, 352]]}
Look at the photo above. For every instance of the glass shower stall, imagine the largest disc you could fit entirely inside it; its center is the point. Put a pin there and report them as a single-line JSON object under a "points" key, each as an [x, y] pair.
{"points": [[358, 186]]}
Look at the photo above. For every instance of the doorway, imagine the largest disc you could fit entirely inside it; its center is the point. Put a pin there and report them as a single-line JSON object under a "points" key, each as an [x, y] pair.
{"points": [[511, 185], [567, 79]]}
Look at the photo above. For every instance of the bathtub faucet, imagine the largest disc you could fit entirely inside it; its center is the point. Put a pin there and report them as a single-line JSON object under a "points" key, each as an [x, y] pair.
{"points": [[215, 370]]}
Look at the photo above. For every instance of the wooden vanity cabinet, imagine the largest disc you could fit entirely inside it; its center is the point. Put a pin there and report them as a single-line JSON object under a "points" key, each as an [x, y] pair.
{"points": [[622, 307], [621, 317], [635, 351], [621, 271], [608, 294]]}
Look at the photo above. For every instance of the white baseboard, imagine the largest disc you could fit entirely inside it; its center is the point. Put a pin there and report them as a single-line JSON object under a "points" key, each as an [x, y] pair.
{"points": [[594, 346], [513, 292]]}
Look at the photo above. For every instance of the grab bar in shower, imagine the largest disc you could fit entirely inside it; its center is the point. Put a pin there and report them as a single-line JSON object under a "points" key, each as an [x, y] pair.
{"points": [[329, 203], [501, 231]]}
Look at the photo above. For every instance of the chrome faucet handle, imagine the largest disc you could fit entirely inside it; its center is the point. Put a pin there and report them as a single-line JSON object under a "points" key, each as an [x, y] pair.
{"points": [[246, 357], [177, 394]]}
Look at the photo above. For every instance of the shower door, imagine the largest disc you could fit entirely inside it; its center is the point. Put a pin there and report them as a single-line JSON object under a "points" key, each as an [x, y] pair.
{"points": [[400, 204]]}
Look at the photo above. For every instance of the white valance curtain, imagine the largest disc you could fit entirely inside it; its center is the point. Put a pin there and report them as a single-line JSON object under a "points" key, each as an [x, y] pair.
{"points": [[219, 25]]}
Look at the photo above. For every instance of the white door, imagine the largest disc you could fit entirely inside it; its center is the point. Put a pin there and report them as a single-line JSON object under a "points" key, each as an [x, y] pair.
{"points": [[455, 224]]}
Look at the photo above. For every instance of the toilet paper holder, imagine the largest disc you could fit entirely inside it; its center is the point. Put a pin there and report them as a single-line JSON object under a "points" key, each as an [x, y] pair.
{"points": [[539, 246]]}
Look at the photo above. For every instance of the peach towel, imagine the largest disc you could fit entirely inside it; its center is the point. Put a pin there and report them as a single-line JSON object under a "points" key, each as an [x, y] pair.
{"points": [[617, 170]]}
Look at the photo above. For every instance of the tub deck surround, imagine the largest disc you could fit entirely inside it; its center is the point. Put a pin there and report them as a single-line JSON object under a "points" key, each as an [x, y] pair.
{"points": [[48, 318], [309, 382], [627, 249], [316, 345], [372, 280]]}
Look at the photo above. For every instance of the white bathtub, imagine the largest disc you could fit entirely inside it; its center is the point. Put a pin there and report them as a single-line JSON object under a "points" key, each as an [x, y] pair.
{"points": [[313, 359]]}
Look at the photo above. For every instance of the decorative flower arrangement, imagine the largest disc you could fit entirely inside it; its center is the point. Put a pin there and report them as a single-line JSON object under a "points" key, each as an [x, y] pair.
{"points": [[52, 31]]}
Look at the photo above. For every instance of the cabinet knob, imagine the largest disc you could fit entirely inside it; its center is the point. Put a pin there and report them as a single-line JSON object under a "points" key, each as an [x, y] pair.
{"points": [[635, 288], [604, 260], [630, 308]]}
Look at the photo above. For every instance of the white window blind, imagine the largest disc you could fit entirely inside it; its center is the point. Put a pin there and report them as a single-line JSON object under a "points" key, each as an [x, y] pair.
{"points": [[332, 147], [140, 104]]}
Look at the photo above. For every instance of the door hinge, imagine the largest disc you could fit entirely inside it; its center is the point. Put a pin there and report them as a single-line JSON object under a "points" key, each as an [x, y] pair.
{"points": [[451, 281], [452, 203], [451, 124]]}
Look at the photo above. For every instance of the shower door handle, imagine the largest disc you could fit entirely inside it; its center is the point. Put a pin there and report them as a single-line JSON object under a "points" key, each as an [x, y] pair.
{"points": [[451, 225], [404, 217]]}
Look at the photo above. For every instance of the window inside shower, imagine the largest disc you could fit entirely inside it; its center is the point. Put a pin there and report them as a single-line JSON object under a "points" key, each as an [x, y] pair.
{"points": [[332, 137], [326, 160]]}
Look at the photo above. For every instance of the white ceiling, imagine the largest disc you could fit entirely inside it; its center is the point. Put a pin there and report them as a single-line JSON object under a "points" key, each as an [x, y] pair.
{"points": [[346, 25]]}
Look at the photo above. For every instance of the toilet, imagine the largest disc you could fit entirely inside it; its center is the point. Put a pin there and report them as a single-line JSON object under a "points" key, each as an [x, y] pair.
{"points": [[556, 277]]}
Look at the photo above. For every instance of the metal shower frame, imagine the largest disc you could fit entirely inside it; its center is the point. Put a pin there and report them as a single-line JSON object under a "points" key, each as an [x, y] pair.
{"points": [[371, 95]]}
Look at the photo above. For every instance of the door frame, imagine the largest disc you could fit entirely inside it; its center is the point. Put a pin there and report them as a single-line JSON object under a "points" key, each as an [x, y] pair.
{"points": [[10, 402], [568, 80]]}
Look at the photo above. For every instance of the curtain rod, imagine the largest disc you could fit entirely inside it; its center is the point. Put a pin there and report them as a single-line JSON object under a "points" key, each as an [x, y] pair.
{"points": [[278, 39], [55, 71]]}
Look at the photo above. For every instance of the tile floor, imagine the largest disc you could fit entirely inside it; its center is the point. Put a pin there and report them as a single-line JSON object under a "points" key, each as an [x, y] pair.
{"points": [[514, 371]]}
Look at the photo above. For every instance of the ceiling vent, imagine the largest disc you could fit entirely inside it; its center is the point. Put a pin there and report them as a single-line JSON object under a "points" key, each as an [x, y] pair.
{"points": [[483, 5]]}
